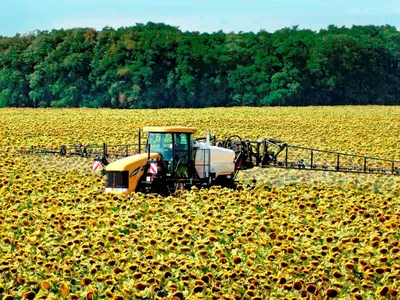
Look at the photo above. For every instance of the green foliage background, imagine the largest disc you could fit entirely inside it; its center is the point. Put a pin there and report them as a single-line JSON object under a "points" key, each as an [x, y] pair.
{"points": [[157, 66]]}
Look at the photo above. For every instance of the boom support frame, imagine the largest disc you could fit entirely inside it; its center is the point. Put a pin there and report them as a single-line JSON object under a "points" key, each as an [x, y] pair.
{"points": [[272, 153]]}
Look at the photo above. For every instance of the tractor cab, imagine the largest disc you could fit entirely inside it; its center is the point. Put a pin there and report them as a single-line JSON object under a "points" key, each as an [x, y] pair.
{"points": [[175, 145]]}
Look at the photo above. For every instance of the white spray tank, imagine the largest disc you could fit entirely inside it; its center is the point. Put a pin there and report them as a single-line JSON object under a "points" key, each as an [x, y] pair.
{"points": [[211, 159]]}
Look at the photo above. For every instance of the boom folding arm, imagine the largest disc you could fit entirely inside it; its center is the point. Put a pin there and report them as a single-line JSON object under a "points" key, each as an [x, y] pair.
{"points": [[269, 152]]}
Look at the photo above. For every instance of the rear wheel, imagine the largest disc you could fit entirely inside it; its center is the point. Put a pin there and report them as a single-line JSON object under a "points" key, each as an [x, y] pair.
{"points": [[225, 181]]}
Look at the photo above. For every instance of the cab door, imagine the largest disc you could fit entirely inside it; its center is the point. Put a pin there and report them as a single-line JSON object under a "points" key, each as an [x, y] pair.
{"points": [[183, 155]]}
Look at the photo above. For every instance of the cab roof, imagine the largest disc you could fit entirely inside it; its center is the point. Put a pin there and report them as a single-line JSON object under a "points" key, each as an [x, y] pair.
{"points": [[174, 129]]}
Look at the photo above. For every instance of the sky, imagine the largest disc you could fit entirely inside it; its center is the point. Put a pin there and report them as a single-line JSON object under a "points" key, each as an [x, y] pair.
{"points": [[23, 16]]}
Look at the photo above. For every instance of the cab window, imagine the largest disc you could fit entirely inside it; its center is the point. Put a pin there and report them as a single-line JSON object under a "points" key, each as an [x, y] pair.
{"points": [[181, 141]]}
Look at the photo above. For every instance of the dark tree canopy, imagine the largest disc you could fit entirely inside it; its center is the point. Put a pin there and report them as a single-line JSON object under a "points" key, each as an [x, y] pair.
{"points": [[156, 65]]}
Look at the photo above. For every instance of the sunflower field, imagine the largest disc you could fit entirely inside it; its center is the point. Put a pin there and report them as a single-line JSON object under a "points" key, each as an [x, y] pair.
{"points": [[282, 234]]}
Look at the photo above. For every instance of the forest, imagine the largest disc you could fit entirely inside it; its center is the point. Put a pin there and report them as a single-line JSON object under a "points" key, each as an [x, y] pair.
{"points": [[156, 65]]}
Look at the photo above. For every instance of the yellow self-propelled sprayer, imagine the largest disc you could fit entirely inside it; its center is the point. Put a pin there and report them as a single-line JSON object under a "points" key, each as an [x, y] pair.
{"points": [[173, 160]]}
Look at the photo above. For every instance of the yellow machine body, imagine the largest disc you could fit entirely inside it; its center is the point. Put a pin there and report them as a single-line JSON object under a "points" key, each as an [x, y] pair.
{"points": [[127, 172]]}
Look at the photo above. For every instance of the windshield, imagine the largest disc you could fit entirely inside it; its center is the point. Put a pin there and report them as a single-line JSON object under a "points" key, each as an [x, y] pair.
{"points": [[160, 143]]}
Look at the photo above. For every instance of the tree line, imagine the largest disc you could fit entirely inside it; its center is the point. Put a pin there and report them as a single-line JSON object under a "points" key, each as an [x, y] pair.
{"points": [[155, 65]]}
